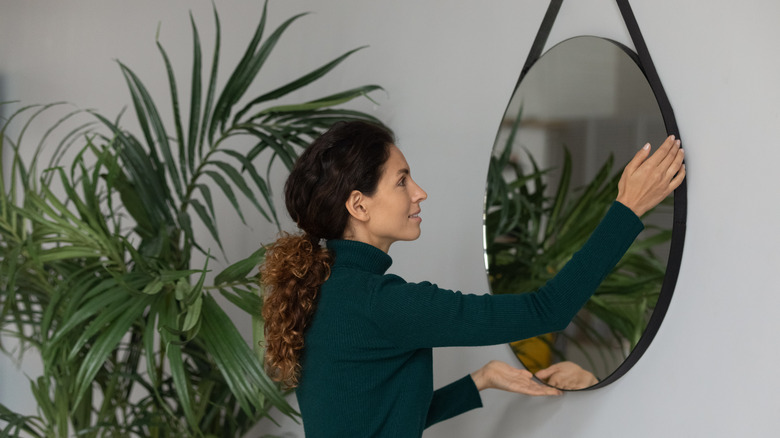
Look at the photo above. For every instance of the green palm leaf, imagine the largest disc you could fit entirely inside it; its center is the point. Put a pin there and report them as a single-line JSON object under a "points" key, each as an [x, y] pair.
{"points": [[296, 84], [325, 102], [95, 269], [195, 97], [181, 141], [149, 118], [242, 370]]}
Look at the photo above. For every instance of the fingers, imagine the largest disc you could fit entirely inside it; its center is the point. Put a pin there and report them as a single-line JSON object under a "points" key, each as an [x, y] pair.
{"points": [[543, 390], [676, 159], [678, 179], [674, 169], [557, 382], [567, 375], [664, 156], [638, 159], [675, 163], [532, 387], [671, 156], [554, 380], [663, 151], [545, 374]]}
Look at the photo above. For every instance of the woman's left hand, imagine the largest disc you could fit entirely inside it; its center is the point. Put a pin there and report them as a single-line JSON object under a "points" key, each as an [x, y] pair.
{"points": [[500, 375], [567, 375]]}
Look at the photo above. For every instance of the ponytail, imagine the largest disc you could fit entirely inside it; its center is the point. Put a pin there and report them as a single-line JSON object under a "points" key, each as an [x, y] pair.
{"points": [[294, 269]]}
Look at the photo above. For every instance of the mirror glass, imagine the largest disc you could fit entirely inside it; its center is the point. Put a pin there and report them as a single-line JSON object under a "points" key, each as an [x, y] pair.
{"points": [[576, 118]]}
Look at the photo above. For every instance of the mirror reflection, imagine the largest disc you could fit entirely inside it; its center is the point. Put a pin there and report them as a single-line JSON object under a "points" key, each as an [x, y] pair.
{"points": [[577, 117]]}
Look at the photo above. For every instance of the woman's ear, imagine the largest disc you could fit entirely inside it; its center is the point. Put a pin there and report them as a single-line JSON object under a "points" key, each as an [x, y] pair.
{"points": [[356, 206]]}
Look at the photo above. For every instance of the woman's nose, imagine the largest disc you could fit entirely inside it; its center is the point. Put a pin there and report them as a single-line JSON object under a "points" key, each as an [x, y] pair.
{"points": [[421, 195]]}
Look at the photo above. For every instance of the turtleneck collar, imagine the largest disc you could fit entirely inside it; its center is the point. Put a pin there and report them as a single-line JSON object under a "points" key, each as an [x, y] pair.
{"points": [[354, 254]]}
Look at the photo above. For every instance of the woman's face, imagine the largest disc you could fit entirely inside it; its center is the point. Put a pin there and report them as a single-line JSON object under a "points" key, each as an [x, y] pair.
{"points": [[393, 210]]}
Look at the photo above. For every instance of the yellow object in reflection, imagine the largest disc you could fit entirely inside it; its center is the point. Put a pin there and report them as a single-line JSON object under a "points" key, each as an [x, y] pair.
{"points": [[534, 353]]}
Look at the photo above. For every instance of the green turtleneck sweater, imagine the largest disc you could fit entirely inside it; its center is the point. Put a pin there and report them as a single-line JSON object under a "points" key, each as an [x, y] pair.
{"points": [[367, 361]]}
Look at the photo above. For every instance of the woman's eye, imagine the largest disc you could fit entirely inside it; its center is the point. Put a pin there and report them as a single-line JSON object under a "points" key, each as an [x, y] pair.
{"points": [[402, 182]]}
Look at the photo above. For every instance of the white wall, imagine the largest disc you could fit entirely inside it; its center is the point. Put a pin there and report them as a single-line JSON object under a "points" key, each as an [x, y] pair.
{"points": [[449, 68]]}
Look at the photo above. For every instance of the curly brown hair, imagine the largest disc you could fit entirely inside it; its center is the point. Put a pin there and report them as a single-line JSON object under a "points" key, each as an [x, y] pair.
{"points": [[291, 274], [349, 156]]}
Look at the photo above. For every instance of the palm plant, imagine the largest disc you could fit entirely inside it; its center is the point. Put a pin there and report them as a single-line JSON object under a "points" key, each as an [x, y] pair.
{"points": [[97, 251], [530, 235]]}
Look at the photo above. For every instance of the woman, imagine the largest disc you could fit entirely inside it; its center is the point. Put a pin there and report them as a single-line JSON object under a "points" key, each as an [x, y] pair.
{"points": [[356, 343]]}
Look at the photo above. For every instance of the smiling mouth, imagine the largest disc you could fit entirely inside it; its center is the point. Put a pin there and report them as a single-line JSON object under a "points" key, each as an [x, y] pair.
{"points": [[414, 216]]}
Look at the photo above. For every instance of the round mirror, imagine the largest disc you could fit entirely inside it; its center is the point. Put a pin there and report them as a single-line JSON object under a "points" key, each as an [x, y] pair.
{"points": [[576, 118]]}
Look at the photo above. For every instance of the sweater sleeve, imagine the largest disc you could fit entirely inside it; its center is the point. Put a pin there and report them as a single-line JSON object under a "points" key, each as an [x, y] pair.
{"points": [[454, 399], [420, 315]]}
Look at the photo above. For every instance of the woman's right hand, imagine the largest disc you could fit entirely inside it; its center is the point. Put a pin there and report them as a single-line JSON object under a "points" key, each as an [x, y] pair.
{"points": [[648, 179]]}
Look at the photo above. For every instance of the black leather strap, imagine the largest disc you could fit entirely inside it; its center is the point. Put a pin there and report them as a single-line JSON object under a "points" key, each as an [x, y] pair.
{"points": [[541, 38]]}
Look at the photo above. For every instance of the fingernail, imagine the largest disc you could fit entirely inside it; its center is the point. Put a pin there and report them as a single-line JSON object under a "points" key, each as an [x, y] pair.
{"points": [[646, 146]]}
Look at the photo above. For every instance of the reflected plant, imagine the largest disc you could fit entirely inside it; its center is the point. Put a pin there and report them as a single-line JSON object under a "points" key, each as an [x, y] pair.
{"points": [[530, 235], [97, 251]]}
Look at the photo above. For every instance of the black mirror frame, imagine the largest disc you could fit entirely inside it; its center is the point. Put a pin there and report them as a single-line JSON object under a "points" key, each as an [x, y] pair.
{"points": [[645, 63]]}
